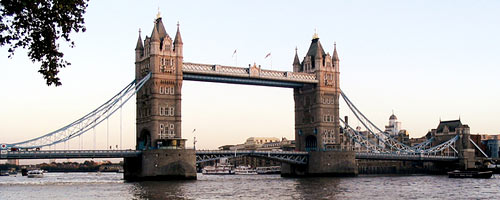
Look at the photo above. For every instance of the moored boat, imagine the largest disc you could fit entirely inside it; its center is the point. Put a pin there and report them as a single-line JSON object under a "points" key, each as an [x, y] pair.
{"points": [[269, 170], [4, 173], [219, 169], [35, 173], [470, 174], [244, 170]]}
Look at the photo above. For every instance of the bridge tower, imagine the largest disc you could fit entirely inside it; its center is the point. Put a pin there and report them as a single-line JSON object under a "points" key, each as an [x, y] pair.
{"points": [[158, 120], [317, 125]]}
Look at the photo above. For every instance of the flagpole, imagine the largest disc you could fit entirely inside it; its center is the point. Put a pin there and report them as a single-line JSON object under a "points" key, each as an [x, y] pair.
{"points": [[235, 55], [271, 61]]}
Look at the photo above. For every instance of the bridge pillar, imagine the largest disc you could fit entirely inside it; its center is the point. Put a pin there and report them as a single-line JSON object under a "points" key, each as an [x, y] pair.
{"points": [[161, 164], [158, 120], [317, 120], [467, 155], [324, 163]]}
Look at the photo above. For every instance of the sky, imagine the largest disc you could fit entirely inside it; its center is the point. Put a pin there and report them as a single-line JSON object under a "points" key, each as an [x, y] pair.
{"points": [[424, 60]]}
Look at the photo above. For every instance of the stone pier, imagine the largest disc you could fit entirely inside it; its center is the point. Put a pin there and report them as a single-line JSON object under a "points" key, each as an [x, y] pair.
{"points": [[324, 163], [161, 164]]}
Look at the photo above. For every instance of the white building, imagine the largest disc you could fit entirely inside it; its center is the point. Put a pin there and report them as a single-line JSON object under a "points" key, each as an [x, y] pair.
{"points": [[394, 126]]}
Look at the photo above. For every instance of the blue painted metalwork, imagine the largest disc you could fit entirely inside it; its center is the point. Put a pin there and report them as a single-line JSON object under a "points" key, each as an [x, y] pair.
{"points": [[244, 81], [294, 157], [403, 157]]}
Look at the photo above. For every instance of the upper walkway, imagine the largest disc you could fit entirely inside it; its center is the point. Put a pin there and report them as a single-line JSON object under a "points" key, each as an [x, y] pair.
{"points": [[250, 76]]}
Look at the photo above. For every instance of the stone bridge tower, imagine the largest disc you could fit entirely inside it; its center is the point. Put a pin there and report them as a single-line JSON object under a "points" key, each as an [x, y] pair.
{"points": [[159, 100], [317, 122], [158, 122], [317, 106]]}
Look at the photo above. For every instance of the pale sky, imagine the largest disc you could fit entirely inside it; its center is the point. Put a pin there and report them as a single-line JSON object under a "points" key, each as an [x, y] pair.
{"points": [[425, 60]]}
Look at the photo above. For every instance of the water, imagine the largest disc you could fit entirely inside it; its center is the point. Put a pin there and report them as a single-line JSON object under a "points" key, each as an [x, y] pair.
{"points": [[111, 186]]}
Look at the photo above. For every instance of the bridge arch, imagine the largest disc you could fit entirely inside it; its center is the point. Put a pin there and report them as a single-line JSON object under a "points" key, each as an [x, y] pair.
{"points": [[311, 143], [144, 140]]}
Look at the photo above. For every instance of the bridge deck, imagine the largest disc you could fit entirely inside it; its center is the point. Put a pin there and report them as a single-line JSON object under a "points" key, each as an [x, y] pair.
{"points": [[297, 157], [58, 154], [403, 157]]}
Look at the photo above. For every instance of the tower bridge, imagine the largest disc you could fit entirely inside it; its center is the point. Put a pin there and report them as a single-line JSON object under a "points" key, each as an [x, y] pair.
{"points": [[325, 144]]}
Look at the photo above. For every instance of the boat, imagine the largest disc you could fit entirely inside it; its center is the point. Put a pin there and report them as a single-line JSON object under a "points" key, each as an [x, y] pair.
{"points": [[244, 170], [219, 169], [4, 173], [35, 173], [470, 174], [269, 170], [13, 172]]}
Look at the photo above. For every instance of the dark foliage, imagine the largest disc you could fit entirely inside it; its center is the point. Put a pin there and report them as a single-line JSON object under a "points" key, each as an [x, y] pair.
{"points": [[37, 25]]}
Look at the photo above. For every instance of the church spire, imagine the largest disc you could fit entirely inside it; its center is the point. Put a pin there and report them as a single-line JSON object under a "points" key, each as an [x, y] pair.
{"points": [[178, 39]]}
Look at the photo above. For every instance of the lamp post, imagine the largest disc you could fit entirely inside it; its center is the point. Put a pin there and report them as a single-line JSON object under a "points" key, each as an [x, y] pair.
{"points": [[194, 139]]}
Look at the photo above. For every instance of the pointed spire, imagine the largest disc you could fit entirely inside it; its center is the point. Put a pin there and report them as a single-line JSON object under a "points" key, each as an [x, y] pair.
{"points": [[178, 39], [335, 54], [296, 60], [315, 48], [154, 35], [161, 29], [319, 51], [139, 42]]}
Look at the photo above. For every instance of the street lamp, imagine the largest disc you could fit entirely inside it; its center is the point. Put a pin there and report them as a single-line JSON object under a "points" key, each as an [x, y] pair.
{"points": [[194, 139]]}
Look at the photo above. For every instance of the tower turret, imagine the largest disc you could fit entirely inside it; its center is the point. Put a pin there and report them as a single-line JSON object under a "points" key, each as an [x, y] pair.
{"points": [[178, 42], [139, 48], [335, 58], [155, 41], [296, 62]]}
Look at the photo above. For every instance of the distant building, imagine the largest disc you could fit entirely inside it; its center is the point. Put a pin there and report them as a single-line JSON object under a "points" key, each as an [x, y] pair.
{"points": [[492, 143], [226, 147], [394, 126], [415, 141], [394, 129], [260, 144], [257, 142], [13, 161], [446, 130]]}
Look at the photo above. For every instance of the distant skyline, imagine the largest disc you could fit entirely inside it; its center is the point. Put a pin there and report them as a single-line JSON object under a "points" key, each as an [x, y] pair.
{"points": [[424, 60]]}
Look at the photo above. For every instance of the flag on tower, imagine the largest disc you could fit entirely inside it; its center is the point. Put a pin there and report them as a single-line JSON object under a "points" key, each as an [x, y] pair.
{"points": [[269, 54], [234, 53]]}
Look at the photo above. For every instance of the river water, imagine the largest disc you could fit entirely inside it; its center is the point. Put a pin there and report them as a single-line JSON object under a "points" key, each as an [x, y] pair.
{"points": [[112, 186]]}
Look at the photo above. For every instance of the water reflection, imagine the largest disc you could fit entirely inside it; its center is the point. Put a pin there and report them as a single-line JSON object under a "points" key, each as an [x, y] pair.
{"points": [[161, 189], [314, 188]]}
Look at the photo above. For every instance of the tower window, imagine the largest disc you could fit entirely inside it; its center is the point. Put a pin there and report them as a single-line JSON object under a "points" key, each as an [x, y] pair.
{"points": [[171, 111]]}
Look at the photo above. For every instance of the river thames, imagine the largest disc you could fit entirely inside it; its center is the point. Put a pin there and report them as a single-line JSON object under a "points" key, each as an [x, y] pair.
{"points": [[112, 186]]}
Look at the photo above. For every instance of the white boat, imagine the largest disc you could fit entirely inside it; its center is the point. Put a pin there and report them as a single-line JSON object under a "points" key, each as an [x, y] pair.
{"points": [[269, 170], [35, 173], [219, 169], [245, 170]]}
